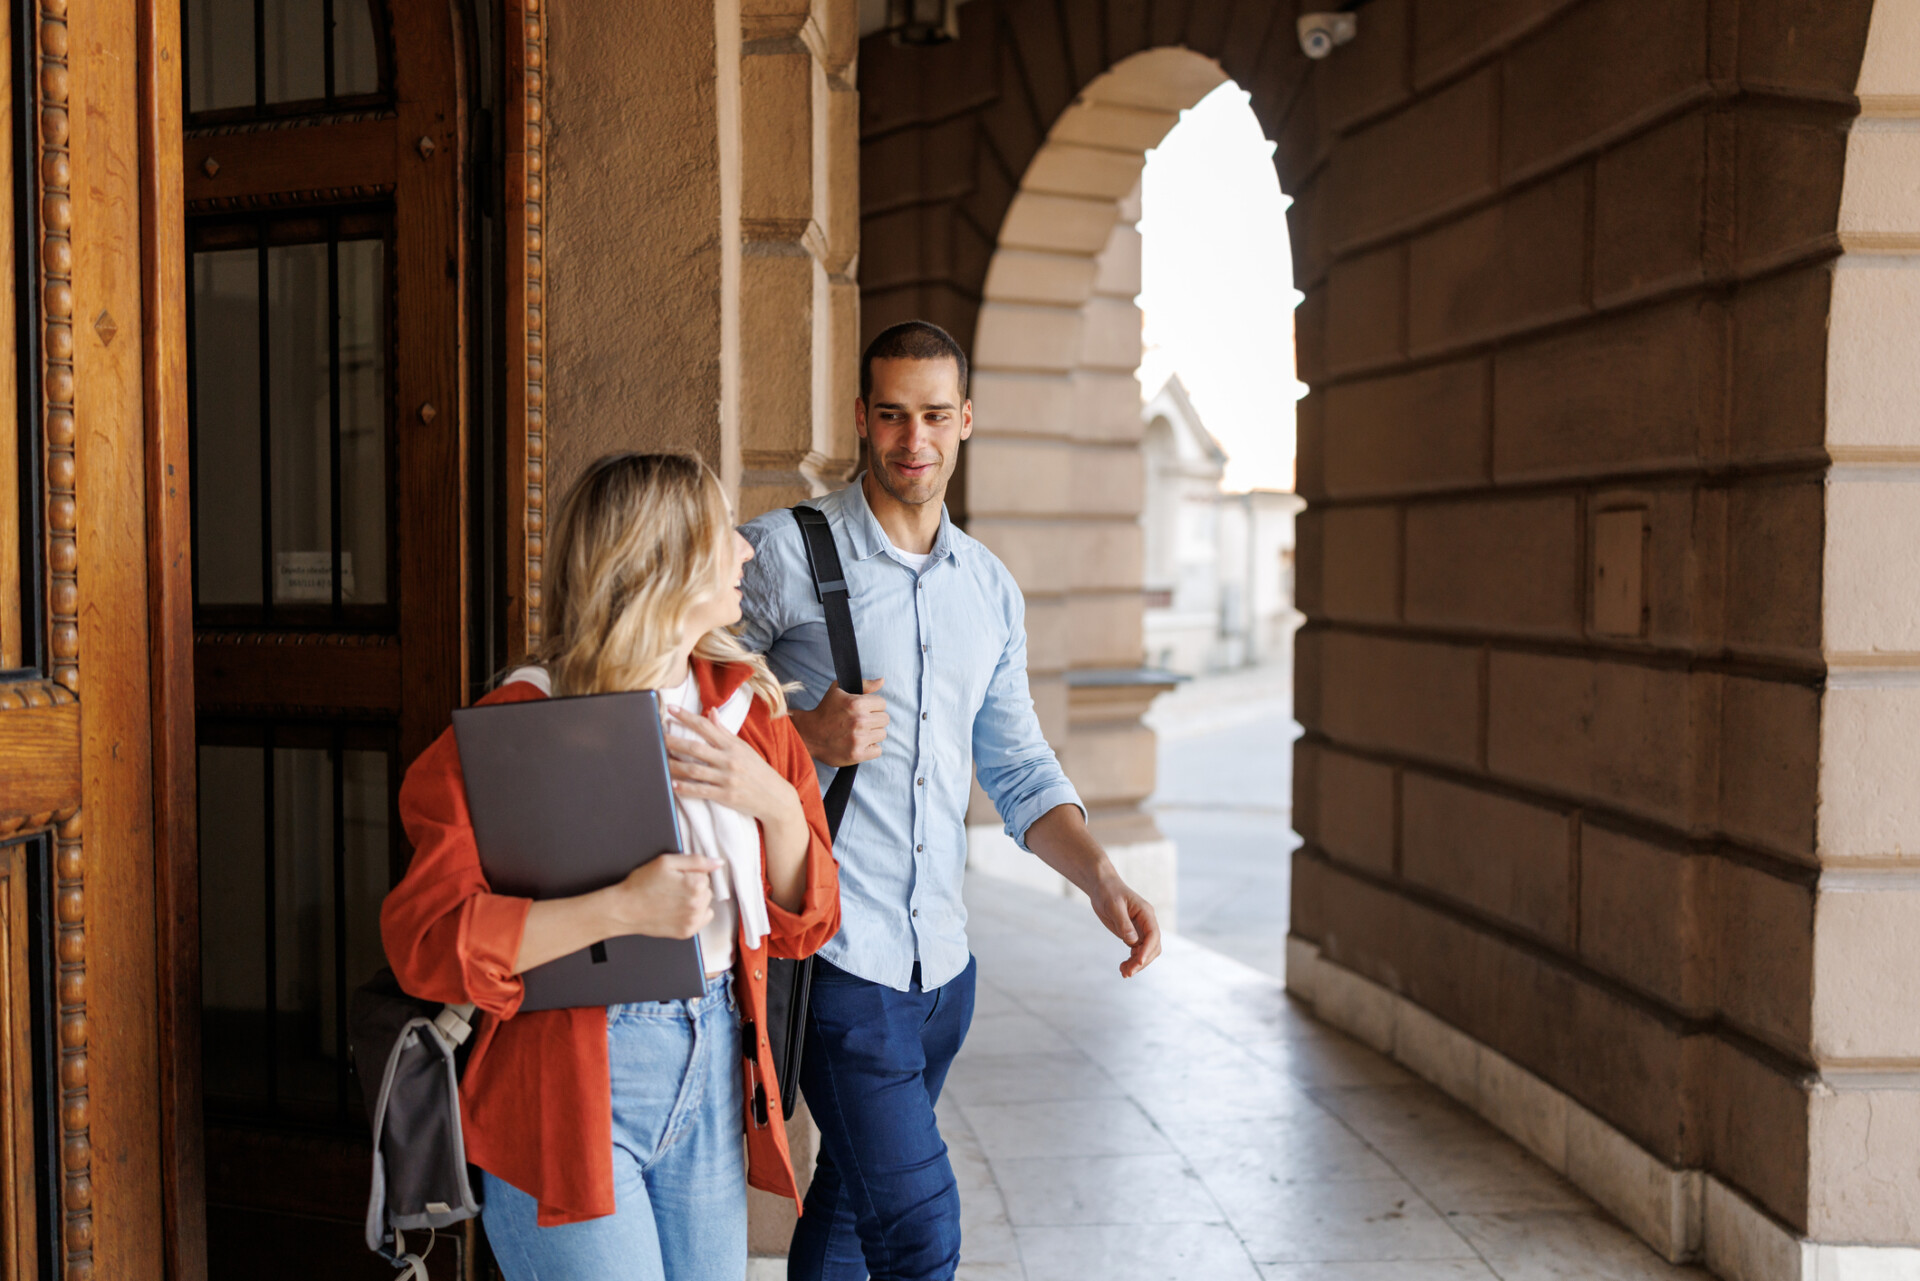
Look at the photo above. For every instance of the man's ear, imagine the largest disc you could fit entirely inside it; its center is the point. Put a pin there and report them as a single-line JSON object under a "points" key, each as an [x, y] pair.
{"points": [[860, 417], [966, 419]]}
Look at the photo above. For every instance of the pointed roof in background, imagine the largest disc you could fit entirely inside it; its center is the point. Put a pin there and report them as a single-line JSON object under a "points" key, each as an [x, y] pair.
{"points": [[1174, 404]]}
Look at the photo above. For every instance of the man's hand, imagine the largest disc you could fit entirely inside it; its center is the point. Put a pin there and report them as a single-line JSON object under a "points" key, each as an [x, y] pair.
{"points": [[1061, 839], [1130, 918], [845, 729]]}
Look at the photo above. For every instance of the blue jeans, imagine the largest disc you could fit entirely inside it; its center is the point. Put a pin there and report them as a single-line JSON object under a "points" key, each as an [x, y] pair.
{"points": [[883, 1202], [679, 1168]]}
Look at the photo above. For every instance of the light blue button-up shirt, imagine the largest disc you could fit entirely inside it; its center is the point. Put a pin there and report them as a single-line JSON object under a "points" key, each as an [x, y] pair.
{"points": [[951, 641]]}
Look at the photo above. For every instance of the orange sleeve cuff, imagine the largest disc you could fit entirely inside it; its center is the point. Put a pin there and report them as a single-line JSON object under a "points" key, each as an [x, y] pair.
{"points": [[491, 926]]}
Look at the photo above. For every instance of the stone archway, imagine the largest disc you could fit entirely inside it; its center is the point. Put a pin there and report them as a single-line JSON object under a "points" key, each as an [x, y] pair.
{"points": [[1606, 796]]}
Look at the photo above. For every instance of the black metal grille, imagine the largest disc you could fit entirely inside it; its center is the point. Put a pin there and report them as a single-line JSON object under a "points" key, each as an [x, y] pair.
{"points": [[291, 881], [261, 235], [334, 98]]}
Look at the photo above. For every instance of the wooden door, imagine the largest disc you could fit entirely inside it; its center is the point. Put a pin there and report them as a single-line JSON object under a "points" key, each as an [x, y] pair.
{"points": [[326, 296]]}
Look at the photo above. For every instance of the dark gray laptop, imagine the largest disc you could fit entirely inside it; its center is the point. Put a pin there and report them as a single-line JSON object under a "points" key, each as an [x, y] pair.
{"points": [[569, 795]]}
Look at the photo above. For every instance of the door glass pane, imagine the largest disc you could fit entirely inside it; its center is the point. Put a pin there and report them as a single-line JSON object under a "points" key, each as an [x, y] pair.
{"points": [[328, 411], [356, 58], [233, 921], [367, 809], [295, 858], [303, 925], [296, 58], [226, 452], [300, 409], [219, 54], [363, 421]]}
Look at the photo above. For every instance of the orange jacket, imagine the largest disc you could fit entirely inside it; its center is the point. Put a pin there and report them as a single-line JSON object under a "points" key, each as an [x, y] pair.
{"points": [[535, 1101]]}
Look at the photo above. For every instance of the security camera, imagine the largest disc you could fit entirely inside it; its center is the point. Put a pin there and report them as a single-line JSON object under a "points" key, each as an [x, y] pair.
{"points": [[1320, 32]]}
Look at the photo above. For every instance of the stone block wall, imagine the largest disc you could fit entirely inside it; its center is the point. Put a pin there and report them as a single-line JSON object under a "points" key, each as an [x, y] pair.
{"points": [[1570, 270], [703, 234]]}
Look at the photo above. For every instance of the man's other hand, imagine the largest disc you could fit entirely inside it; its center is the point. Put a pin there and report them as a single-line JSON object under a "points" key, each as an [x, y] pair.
{"points": [[1130, 918], [845, 729]]}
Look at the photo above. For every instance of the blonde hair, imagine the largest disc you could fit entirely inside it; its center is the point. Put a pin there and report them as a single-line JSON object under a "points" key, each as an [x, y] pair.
{"points": [[640, 541]]}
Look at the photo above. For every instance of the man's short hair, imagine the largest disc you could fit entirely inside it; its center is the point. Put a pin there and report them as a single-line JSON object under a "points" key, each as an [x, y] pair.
{"points": [[912, 340]]}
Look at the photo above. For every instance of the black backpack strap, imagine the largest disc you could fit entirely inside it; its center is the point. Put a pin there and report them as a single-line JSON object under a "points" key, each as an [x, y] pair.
{"points": [[830, 585], [790, 983]]}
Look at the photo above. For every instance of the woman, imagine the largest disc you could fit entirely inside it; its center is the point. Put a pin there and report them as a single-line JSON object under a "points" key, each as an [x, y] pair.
{"points": [[609, 1138]]}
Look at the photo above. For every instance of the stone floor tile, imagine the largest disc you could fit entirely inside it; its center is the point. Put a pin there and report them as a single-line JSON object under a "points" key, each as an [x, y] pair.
{"points": [[1330, 1061], [1136, 1252], [1565, 1245], [990, 999], [1027, 1078], [1459, 1162], [1070, 1191], [1082, 1127], [1014, 1034], [1308, 1153], [1374, 1220], [1207, 1093], [1403, 1270], [970, 1169], [970, 1270], [1321, 1159]]}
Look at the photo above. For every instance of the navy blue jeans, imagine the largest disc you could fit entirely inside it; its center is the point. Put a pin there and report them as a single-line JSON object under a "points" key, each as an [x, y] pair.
{"points": [[883, 1201]]}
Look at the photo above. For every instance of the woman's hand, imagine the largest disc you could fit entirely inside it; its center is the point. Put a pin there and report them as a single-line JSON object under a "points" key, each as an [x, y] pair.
{"points": [[714, 765], [669, 898]]}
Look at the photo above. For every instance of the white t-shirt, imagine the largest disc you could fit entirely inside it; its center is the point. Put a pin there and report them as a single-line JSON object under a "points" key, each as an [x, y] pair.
{"points": [[916, 561], [717, 935]]}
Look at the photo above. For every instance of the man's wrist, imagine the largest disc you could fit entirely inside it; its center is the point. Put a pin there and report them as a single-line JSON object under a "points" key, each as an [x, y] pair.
{"points": [[803, 718]]}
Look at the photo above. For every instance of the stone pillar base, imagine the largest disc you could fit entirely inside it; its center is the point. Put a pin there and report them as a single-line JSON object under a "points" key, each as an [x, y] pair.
{"points": [[1150, 867], [1687, 1216]]}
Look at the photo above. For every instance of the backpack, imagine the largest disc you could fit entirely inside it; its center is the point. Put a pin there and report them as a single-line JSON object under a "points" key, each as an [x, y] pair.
{"points": [[408, 1055]]}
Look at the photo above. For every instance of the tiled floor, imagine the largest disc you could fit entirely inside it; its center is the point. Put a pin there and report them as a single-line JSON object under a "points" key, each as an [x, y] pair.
{"points": [[1191, 1124]]}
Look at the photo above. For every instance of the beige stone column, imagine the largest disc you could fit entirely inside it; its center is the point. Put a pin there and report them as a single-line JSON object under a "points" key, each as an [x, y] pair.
{"points": [[1055, 475], [1863, 1108], [702, 239], [799, 248]]}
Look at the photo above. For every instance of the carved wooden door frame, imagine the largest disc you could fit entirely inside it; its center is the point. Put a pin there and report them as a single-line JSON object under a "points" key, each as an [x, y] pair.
{"points": [[524, 207]]}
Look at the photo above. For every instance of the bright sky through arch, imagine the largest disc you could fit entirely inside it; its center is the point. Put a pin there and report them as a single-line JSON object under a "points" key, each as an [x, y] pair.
{"points": [[1216, 284]]}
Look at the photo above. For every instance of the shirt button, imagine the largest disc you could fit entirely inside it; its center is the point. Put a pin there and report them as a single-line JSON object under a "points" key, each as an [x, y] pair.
{"points": [[918, 848], [921, 782], [756, 974], [916, 911], [923, 716], [923, 649]]}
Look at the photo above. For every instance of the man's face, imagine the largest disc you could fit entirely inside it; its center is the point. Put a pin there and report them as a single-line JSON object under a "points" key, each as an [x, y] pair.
{"points": [[913, 423]]}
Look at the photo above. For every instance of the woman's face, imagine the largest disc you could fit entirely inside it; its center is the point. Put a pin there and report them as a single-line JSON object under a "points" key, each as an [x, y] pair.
{"points": [[720, 607]]}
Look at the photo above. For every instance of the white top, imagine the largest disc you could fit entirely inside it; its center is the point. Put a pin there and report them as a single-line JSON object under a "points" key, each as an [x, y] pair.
{"points": [[712, 831], [916, 561]]}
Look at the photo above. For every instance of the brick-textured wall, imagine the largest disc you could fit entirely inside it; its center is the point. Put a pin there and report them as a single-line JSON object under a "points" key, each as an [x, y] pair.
{"points": [[1568, 268], [1568, 264]]}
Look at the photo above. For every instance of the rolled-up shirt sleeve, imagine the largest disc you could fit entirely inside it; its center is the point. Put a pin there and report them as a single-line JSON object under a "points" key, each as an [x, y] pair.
{"points": [[448, 937], [1016, 766]]}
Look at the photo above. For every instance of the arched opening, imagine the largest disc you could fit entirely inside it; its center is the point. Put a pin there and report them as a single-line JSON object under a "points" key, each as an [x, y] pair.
{"points": [[1582, 751], [1067, 483]]}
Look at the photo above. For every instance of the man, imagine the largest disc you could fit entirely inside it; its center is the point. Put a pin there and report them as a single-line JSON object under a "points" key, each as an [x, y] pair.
{"points": [[942, 636]]}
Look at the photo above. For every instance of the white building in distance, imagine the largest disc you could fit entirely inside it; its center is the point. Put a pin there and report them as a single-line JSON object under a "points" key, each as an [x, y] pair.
{"points": [[1219, 571]]}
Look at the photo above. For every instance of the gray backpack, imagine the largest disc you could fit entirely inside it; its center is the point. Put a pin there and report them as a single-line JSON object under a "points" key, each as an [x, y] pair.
{"points": [[407, 1054]]}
